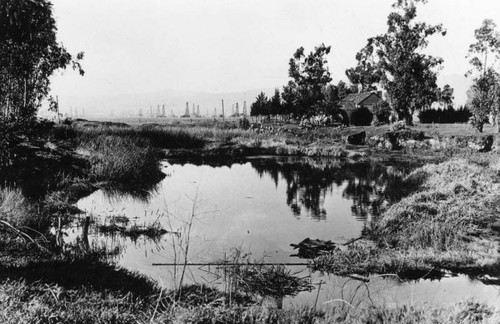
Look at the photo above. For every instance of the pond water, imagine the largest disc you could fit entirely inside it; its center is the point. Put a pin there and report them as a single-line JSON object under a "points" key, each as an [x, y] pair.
{"points": [[260, 206]]}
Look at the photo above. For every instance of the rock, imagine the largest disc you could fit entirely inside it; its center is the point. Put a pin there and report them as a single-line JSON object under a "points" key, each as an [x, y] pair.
{"points": [[496, 226], [397, 126], [312, 248], [481, 144], [358, 138]]}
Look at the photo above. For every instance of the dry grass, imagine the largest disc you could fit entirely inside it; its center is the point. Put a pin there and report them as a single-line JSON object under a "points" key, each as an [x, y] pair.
{"points": [[121, 159], [454, 205], [443, 224], [48, 303], [18, 211]]}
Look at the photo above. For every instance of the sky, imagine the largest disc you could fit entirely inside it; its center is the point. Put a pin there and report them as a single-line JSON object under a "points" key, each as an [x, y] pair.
{"points": [[216, 46]]}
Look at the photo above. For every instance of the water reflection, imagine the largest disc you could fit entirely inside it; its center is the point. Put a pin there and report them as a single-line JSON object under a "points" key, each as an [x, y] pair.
{"points": [[260, 205], [369, 184]]}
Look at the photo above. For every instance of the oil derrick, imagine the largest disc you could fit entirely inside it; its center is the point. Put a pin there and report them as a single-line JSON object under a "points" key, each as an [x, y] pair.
{"points": [[186, 113]]}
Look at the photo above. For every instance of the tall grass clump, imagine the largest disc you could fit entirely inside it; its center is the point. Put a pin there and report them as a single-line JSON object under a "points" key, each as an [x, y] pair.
{"points": [[121, 159], [443, 224], [455, 205], [17, 210]]}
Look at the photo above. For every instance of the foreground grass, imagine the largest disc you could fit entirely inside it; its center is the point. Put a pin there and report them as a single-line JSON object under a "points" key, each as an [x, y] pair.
{"points": [[444, 224], [48, 303]]}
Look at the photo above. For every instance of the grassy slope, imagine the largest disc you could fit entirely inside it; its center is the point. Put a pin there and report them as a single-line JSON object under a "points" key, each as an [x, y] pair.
{"points": [[443, 224]]}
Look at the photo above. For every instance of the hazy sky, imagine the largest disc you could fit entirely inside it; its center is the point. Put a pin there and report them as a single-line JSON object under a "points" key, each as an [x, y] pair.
{"points": [[235, 45]]}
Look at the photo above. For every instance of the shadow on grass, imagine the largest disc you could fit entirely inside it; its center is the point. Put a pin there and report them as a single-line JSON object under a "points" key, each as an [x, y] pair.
{"points": [[81, 273]]}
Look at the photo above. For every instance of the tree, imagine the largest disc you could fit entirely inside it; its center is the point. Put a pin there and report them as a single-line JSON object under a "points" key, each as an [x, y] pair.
{"points": [[446, 96], [29, 55], [332, 100], [486, 49], [289, 98], [484, 94], [260, 106], [381, 112], [482, 97], [343, 90], [366, 74], [394, 60], [275, 107], [309, 76]]}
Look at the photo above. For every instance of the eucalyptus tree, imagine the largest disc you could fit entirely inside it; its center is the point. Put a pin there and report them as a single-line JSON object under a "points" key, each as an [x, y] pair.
{"points": [[395, 62], [310, 75], [484, 95], [29, 55], [446, 96]]}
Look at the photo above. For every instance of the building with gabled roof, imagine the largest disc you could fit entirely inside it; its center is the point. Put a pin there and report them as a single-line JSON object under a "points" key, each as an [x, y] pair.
{"points": [[358, 100], [362, 99]]}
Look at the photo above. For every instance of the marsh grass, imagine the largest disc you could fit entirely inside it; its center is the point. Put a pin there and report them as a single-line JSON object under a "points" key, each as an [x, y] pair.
{"points": [[451, 209], [152, 231], [241, 274], [21, 302], [444, 223], [20, 211], [121, 159]]}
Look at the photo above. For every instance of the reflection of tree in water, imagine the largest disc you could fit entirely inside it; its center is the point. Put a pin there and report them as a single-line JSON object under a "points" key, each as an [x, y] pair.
{"points": [[368, 184]]}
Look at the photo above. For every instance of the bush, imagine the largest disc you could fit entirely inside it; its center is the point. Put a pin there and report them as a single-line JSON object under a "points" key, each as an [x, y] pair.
{"points": [[244, 123], [381, 112], [361, 117]]}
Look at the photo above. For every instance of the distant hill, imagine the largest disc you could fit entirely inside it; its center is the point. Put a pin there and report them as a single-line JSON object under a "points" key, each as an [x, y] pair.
{"points": [[130, 104], [174, 101]]}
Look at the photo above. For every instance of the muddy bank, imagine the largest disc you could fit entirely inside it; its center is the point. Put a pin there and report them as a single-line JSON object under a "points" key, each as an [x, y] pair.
{"points": [[353, 144]]}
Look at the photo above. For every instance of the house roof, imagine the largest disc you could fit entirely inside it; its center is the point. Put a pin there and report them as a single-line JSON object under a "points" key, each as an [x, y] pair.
{"points": [[358, 98]]}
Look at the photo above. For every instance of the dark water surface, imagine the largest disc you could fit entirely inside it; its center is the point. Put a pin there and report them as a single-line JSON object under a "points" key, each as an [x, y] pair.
{"points": [[261, 206]]}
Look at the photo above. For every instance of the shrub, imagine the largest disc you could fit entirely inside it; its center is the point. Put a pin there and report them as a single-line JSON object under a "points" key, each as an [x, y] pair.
{"points": [[381, 112], [361, 117]]}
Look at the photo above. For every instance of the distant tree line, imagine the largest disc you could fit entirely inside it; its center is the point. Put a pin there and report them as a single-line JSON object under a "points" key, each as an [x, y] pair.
{"points": [[444, 116], [395, 63]]}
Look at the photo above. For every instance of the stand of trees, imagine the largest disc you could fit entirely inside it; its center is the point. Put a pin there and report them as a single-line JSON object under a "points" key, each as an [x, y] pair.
{"points": [[445, 116], [29, 55], [394, 61], [484, 94]]}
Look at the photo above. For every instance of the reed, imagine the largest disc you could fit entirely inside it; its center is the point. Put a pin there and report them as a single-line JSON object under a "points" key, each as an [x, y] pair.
{"points": [[121, 159]]}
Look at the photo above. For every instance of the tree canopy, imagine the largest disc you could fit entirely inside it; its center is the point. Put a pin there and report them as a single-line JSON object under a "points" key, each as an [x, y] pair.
{"points": [[310, 75], [29, 55], [484, 95], [394, 61]]}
